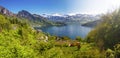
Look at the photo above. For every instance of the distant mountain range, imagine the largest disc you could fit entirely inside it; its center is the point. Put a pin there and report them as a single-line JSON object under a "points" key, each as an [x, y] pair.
{"points": [[28, 15], [33, 18], [92, 23], [21, 14], [81, 18], [54, 19]]}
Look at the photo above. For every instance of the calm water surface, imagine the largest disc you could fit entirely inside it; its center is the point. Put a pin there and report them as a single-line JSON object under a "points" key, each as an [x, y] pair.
{"points": [[72, 30]]}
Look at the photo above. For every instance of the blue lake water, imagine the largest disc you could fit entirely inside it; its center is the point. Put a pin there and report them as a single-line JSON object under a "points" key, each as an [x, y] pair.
{"points": [[72, 30]]}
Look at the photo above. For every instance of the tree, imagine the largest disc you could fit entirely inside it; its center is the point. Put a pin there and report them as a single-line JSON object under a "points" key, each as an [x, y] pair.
{"points": [[107, 31]]}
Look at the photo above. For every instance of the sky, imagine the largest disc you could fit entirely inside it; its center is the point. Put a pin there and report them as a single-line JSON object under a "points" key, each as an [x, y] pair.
{"points": [[61, 6]]}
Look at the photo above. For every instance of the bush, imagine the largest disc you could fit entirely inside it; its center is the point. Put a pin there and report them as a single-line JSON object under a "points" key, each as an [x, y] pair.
{"points": [[78, 38], [117, 50], [65, 38], [53, 53], [107, 31], [109, 53]]}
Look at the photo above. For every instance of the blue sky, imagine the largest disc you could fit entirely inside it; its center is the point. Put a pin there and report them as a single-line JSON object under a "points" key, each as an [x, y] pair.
{"points": [[36, 6], [61, 6]]}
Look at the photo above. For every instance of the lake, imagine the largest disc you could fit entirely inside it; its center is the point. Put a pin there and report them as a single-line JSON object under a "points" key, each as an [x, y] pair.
{"points": [[71, 30]]}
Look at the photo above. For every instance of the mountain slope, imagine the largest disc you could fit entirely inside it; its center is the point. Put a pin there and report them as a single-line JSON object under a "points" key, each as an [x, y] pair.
{"points": [[37, 19], [92, 24], [25, 14], [5, 11], [34, 19], [107, 33]]}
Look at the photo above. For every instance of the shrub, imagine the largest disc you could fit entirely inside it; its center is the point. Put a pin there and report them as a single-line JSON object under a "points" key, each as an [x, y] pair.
{"points": [[54, 53], [107, 31], [109, 53], [78, 38], [117, 50]]}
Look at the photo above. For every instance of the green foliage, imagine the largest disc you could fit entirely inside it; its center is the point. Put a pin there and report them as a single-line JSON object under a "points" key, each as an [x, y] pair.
{"points": [[109, 53], [11, 47], [11, 40], [43, 46], [106, 34], [54, 53], [78, 38], [117, 50], [4, 23], [65, 38], [52, 37], [19, 40]]}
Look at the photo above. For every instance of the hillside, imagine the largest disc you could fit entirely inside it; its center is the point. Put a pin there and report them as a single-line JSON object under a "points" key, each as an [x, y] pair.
{"points": [[19, 40], [92, 24], [34, 19], [106, 34], [5, 11]]}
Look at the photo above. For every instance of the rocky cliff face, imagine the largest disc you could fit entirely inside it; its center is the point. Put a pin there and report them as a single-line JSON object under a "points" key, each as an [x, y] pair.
{"points": [[5, 11]]}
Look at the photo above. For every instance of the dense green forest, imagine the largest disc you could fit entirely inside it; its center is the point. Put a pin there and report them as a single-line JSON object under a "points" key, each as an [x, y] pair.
{"points": [[19, 40]]}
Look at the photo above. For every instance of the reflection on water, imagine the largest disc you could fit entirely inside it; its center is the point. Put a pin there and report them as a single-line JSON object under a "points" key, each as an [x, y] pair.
{"points": [[72, 30]]}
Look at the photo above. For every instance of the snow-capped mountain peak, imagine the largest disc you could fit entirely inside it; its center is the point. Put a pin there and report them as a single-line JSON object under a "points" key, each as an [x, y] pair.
{"points": [[71, 14], [56, 14]]}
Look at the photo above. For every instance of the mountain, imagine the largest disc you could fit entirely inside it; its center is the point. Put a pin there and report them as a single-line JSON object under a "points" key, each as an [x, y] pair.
{"points": [[28, 15], [25, 14], [92, 24], [31, 17], [54, 19], [81, 18], [34, 19], [5, 11], [37, 19]]}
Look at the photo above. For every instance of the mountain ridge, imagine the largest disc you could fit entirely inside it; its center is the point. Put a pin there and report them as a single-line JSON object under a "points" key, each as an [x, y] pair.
{"points": [[34, 19], [5, 11], [82, 18], [55, 19]]}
